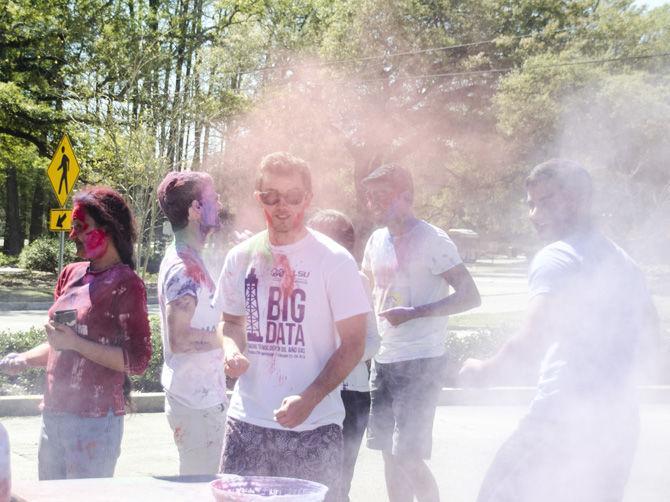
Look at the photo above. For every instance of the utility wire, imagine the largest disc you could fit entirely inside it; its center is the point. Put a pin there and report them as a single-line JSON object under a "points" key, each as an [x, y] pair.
{"points": [[508, 69], [466, 73], [390, 55]]}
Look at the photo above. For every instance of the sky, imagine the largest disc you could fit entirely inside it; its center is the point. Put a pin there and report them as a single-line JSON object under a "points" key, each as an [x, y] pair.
{"points": [[652, 3]]}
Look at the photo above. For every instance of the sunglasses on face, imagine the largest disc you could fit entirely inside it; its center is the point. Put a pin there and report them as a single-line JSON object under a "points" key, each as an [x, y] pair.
{"points": [[293, 197]]}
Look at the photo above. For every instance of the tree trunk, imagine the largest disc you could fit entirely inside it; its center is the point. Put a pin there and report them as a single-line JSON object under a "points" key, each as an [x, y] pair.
{"points": [[13, 230], [37, 209], [175, 137], [152, 232]]}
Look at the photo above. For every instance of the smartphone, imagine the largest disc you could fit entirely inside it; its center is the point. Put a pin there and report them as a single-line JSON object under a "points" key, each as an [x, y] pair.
{"points": [[67, 317]]}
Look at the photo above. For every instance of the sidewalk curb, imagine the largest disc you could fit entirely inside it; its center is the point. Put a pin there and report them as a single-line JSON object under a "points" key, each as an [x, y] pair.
{"points": [[25, 305], [44, 305], [18, 406], [153, 402]]}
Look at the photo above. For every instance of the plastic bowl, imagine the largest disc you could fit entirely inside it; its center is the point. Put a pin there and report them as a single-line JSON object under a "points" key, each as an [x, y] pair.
{"points": [[232, 488]]}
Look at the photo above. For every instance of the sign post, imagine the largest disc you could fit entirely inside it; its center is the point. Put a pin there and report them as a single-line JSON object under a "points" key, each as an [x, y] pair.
{"points": [[63, 172]]}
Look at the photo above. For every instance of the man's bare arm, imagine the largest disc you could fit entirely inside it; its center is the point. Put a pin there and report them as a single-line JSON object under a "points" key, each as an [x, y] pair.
{"points": [[650, 341], [182, 336], [231, 331], [465, 297], [528, 344], [295, 409]]}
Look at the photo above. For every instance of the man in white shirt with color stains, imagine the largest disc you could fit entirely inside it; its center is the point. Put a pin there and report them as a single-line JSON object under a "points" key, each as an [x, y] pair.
{"points": [[293, 325], [412, 265], [193, 375]]}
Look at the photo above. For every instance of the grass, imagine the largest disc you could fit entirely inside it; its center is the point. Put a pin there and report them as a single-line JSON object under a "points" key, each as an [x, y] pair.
{"points": [[485, 320], [19, 285]]}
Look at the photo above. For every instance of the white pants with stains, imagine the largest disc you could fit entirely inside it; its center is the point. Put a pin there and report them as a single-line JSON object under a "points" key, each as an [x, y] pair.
{"points": [[198, 435]]}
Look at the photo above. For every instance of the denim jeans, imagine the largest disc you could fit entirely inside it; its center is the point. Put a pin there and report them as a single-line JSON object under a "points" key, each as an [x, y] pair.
{"points": [[71, 446], [404, 396]]}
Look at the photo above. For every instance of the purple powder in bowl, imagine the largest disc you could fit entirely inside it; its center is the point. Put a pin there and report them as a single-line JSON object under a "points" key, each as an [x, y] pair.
{"points": [[232, 488]]}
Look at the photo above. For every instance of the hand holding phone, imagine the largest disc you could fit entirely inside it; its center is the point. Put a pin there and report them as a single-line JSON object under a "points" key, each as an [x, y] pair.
{"points": [[67, 317]]}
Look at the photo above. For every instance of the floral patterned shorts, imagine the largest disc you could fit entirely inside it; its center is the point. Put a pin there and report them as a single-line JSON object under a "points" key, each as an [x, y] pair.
{"points": [[316, 455]]}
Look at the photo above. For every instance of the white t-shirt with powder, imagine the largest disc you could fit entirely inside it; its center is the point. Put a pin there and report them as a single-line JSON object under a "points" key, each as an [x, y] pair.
{"points": [[406, 271], [359, 378], [194, 379], [291, 296]]}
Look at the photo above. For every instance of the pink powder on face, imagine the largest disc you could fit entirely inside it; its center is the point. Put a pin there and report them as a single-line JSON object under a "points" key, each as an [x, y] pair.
{"points": [[268, 216], [299, 219], [78, 215], [210, 216], [94, 241], [95, 244]]}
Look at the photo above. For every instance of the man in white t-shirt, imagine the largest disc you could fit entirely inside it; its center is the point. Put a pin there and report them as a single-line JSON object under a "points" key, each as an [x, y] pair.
{"points": [[589, 313], [412, 265], [293, 325], [193, 376]]}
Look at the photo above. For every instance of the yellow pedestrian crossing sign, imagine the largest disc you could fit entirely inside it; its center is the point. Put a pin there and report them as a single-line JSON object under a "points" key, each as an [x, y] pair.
{"points": [[60, 220], [63, 170]]}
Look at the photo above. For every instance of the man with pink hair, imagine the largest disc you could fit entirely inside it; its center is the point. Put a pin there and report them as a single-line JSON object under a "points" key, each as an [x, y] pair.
{"points": [[193, 376]]}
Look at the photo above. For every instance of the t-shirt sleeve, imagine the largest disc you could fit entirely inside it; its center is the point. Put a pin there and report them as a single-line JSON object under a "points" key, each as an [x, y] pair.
{"points": [[134, 321], [178, 283], [229, 295], [346, 293], [366, 264], [442, 254], [549, 271], [65, 277], [62, 280]]}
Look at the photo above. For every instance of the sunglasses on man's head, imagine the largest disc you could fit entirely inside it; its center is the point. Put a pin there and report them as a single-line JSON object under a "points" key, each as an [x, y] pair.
{"points": [[293, 197]]}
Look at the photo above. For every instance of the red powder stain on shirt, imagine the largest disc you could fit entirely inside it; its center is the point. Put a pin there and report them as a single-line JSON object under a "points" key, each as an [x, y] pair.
{"points": [[274, 370], [288, 278], [178, 435], [196, 270]]}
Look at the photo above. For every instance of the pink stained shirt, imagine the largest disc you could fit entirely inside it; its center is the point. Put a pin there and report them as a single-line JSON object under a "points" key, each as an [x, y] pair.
{"points": [[112, 310]]}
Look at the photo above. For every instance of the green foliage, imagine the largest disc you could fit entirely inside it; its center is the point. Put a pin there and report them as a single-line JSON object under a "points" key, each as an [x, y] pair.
{"points": [[148, 87], [478, 343], [42, 254], [8, 261], [150, 380], [481, 343], [31, 381]]}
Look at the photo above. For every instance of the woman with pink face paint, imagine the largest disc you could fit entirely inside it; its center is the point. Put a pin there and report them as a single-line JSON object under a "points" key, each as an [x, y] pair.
{"points": [[106, 338]]}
